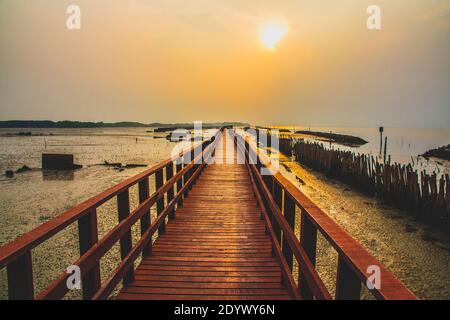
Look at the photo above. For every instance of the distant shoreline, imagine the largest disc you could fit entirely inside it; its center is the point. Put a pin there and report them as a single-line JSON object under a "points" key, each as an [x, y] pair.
{"points": [[440, 153], [344, 139], [47, 124]]}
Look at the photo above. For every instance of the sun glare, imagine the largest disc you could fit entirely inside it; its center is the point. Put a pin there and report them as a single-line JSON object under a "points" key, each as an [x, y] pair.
{"points": [[272, 33]]}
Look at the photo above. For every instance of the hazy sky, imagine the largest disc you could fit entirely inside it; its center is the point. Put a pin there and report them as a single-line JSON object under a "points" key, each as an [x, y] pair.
{"points": [[186, 60]]}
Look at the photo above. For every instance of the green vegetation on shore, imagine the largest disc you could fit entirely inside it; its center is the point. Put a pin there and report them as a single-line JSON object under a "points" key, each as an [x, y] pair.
{"points": [[123, 124], [334, 137], [441, 153]]}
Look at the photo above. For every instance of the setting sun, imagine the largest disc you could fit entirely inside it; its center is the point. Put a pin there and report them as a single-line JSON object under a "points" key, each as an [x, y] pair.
{"points": [[272, 33]]}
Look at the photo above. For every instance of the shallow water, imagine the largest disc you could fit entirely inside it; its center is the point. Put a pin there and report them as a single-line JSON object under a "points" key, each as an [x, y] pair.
{"points": [[34, 197], [404, 144], [54, 192]]}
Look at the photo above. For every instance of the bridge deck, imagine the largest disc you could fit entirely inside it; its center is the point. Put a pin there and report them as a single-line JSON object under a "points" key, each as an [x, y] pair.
{"points": [[216, 248]]}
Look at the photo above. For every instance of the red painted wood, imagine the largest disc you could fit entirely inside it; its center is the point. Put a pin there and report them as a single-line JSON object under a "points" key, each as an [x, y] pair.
{"points": [[171, 191], [89, 260], [20, 278], [128, 261], [308, 240], [217, 243], [179, 167], [348, 286], [215, 247], [277, 193], [289, 215], [28, 241], [88, 236], [159, 181], [349, 249], [126, 243], [146, 218]]}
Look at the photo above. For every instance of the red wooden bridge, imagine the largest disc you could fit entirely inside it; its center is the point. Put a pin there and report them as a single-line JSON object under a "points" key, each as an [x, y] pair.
{"points": [[223, 231]]}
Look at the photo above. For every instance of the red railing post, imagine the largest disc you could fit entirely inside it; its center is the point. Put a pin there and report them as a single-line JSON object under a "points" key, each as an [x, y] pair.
{"points": [[88, 236], [126, 244], [352, 257], [187, 175], [180, 182], [348, 286], [171, 191], [308, 240], [289, 215], [159, 180], [277, 193], [146, 218], [247, 151], [192, 170], [20, 278]]}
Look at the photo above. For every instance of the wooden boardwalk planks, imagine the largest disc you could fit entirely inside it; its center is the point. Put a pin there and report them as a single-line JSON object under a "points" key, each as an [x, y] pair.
{"points": [[216, 247]]}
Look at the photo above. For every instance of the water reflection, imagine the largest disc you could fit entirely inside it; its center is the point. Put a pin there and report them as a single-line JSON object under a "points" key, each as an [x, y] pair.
{"points": [[58, 175]]}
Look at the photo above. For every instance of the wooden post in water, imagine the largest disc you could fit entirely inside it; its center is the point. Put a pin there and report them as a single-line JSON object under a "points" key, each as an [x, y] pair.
{"points": [[381, 129], [330, 138], [385, 149]]}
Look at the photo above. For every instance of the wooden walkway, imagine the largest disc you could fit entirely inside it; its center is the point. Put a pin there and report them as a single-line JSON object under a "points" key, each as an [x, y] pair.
{"points": [[231, 237], [216, 247]]}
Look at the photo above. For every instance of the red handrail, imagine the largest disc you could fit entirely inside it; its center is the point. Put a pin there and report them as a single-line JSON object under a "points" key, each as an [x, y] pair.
{"points": [[16, 256], [354, 260]]}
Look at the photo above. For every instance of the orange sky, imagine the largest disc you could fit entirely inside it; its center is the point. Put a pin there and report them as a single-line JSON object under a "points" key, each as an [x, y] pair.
{"points": [[148, 61]]}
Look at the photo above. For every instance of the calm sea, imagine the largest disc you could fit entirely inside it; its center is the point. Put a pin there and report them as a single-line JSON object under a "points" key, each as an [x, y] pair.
{"points": [[404, 144]]}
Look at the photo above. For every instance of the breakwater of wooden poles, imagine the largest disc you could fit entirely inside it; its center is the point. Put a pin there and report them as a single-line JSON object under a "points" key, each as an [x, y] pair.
{"points": [[425, 195]]}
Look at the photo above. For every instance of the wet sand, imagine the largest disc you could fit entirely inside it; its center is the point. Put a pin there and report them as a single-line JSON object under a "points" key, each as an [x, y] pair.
{"points": [[31, 198], [51, 258], [416, 254], [34, 197]]}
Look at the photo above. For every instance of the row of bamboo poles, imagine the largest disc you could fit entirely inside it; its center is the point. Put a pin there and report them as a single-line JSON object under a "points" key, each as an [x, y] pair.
{"points": [[425, 195]]}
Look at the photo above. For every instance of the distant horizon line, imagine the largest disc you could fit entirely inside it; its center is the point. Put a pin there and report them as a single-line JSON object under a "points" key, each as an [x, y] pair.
{"points": [[4, 124], [95, 124]]}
